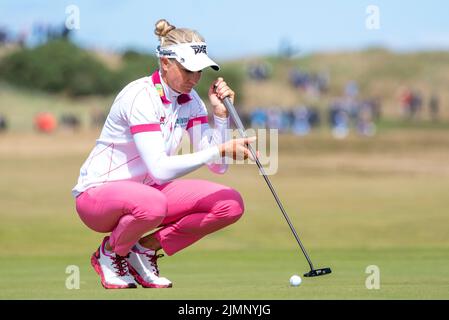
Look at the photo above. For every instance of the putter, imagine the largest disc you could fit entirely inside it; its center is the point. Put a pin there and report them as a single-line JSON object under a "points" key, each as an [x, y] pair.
{"points": [[235, 117]]}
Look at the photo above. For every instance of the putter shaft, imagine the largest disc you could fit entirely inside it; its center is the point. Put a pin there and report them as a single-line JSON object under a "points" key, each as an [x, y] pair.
{"points": [[235, 117]]}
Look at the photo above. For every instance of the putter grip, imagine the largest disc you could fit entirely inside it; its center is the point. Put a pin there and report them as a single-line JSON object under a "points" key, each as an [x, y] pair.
{"points": [[235, 117]]}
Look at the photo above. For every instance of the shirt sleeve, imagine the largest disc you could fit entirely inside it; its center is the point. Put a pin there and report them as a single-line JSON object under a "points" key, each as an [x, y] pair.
{"points": [[202, 136], [163, 168]]}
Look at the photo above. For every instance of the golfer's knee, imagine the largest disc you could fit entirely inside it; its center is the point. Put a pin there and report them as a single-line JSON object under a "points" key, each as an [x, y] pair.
{"points": [[151, 211], [236, 206]]}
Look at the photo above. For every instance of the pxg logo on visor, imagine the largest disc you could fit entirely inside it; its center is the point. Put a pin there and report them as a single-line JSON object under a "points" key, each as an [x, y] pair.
{"points": [[192, 56], [199, 49]]}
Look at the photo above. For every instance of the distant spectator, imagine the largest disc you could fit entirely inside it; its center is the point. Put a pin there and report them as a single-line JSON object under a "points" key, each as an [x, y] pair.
{"points": [[323, 80], [416, 104], [70, 121], [301, 125], [339, 119], [314, 117], [286, 121], [376, 108], [434, 107], [45, 122], [299, 79], [405, 99], [351, 90], [259, 71], [334, 107], [340, 130], [3, 123], [313, 84], [365, 125], [97, 118], [352, 106], [245, 117], [312, 87], [274, 118], [258, 119]]}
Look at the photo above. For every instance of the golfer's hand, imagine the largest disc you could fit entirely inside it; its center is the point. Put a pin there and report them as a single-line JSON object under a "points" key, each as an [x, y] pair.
{"points": [[217, 92], [237, 149]]}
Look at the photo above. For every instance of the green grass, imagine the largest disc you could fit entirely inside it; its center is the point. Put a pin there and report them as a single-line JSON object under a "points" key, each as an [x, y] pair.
{"points": [[380, 201], [242, 274], [412, 124]]}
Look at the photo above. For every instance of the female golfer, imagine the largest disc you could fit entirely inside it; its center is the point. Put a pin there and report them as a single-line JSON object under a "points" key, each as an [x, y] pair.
{"points": [[128, 185]]}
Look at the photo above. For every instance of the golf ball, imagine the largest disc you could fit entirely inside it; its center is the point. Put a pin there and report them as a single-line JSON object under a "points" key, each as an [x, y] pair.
{"points": [[295, 280]]}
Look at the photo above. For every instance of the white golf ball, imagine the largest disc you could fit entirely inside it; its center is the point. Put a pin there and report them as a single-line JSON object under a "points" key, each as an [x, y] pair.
{"points": [[295, 280]]}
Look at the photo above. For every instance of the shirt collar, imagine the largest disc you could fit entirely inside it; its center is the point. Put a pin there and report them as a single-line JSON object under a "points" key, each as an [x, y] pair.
{"points": [[166, 93]]}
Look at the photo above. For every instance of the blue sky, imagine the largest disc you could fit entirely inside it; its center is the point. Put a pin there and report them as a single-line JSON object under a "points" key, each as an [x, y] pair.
{"points": [[239, 28]]}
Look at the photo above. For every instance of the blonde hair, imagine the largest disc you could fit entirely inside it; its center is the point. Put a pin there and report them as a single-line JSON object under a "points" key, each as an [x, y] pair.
{"points": [[169, 34]]}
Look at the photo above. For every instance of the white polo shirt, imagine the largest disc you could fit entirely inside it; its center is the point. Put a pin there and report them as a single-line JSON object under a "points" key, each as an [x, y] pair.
{"points": [[146, 105]]}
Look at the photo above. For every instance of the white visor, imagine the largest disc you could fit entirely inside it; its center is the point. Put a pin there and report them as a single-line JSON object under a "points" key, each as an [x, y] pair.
{"points": [[192, 56]]}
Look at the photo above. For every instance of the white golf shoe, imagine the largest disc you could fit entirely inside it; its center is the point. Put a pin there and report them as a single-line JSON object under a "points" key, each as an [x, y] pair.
{"points": [[112, 269], [143, 266]]}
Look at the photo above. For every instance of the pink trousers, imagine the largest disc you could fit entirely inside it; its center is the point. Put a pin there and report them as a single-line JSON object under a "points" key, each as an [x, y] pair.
{"points": [[184, 210]]}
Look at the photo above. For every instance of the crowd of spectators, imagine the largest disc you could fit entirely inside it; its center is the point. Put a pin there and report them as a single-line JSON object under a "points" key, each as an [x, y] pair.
{"points": [[346, 113], [259, 71], [299, 120], [341, 116], [315, 84], [412, 103]]}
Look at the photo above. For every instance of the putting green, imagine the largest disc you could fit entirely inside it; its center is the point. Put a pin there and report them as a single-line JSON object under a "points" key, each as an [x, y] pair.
{"points": [[242, 274]]}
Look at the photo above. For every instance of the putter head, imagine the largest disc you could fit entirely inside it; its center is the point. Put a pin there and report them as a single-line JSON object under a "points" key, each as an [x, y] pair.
{"points": [[317, 272]]}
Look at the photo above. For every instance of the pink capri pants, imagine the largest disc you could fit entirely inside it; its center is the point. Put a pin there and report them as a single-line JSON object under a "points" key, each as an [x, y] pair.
{"points": [[185, 211]]}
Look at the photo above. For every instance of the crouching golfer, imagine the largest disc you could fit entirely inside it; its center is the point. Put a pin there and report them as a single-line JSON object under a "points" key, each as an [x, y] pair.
{"points": [[128, 185]]}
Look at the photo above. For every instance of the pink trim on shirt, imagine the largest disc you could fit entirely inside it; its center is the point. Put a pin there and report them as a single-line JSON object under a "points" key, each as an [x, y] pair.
{"points": [[196, 121], [145, 128]]}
